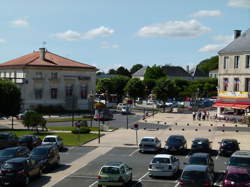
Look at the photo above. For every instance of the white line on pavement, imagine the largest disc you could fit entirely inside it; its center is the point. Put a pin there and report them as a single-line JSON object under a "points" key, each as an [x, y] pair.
{"points": [[131, 154], [139, 180], [216, 158], [177, 185], [93, 184]]}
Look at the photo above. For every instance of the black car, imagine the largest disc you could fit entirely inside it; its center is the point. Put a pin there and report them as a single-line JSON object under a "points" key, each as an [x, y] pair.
{"points": [[176, 143], [202, 145], [8, 139], [18, 171], [202, 159], [228, 147], [13, 152], [47, 155], [30, 141]]}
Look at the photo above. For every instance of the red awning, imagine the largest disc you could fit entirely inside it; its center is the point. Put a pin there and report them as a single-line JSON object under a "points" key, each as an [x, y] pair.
{"points": [[224, 105], [238, 106], [232, 105]]}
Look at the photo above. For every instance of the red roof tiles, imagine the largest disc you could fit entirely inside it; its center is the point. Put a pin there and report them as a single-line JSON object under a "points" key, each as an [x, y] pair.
{"points": [[51, 59]]}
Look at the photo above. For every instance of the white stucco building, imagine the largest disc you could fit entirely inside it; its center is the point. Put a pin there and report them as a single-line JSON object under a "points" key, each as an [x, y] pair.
{"points": [[49, 79]]}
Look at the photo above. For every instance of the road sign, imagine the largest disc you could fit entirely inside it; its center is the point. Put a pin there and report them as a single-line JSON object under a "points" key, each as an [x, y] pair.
{"points": [[136, 126]]}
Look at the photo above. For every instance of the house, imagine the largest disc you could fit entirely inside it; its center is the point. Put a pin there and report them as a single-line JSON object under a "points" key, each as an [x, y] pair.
{"points": [[176, 72], [213, 73], [48, 79], [140, 73], [197, 74], [234, 75]]}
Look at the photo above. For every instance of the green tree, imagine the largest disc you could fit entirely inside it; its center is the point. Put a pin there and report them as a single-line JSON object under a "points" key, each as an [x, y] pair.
{"points": [[154, 72], [134, 88], [104, 86], [181, 85], [33, 119], [149, 85], [123, 71], [118, 84], [112, 71], [208, 64], [135, 68], [10, 99]]}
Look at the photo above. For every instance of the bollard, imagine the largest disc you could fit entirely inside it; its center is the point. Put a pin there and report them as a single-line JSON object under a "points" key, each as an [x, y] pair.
{"points": [[223, 130], [209, 130], [211, 125], [199, 124], [223, 125], [183, 129], [176, 124], [170, 129], [157, 128], [165, 123], [158, 122], [235, 125], [144, 128], [196, 129], [237, 130], [145, 120], [188, 124]]}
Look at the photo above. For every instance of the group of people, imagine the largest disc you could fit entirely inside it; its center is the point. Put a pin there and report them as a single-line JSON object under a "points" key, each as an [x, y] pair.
{"points": [[201, 115]]}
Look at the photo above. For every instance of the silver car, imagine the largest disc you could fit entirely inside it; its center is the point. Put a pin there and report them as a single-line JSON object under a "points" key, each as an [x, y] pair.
{"points": [[150, 144]]}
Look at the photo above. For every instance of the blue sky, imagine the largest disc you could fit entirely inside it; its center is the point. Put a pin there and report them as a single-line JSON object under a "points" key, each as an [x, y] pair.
{"points": [[111, 33]]}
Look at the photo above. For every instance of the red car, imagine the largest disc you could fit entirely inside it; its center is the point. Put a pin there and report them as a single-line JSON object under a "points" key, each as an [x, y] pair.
{"points": [[236, 177]]}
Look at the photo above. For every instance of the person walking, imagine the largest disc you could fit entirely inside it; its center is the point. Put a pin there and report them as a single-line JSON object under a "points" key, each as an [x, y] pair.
{"points": [[194, 115]]}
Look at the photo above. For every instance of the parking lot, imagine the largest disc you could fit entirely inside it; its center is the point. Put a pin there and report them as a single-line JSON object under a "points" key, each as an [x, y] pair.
{"points": [[86, 176]]}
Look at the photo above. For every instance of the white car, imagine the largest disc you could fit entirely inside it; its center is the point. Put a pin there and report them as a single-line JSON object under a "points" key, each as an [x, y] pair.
{"points": [[163, 165], [53, 140], [120, 106], [150, 144]]}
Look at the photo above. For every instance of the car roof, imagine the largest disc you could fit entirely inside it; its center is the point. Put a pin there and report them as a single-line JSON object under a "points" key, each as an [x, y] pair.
{"points": [[200, 155], [229, 140], [17, 160], [51, 136], [116, 164], [241, 154], [162, 156], [237, 170], [177, 135], [201, 139], [14, 148], [195, 168], [44, 146], [149, 137]]}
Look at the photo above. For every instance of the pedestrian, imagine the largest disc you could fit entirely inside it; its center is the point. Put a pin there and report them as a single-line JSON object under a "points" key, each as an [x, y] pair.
{"points": [[207, 115], [199, 115], [194, 115]]}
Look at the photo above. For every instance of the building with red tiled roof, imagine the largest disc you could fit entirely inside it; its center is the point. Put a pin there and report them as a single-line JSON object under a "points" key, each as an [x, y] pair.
{"points": [[48, 79]]}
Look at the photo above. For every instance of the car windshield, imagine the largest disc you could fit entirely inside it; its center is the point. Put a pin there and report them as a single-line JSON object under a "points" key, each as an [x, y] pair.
{"points": [[200, 143], [49, 139], [25, 138], [174, 140], [161, 160], [197, 161], [239, 161], [39, 151], [9, 165], [238, 177], [147, 140], [8, 153], [110, 170], [194, 175]]}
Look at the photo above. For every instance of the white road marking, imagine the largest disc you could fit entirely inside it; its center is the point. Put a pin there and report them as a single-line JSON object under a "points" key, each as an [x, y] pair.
{"points": [[140, 179], [131, 154], [186, 156], [177, 185], [216, 158], [93, 184]]}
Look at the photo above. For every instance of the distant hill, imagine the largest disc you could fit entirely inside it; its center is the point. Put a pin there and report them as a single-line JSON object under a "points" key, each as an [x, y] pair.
{"points": [[208, 64]]}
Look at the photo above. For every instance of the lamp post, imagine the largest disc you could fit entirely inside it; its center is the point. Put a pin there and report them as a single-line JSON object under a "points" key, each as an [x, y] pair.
{"points": [[98, 107]]}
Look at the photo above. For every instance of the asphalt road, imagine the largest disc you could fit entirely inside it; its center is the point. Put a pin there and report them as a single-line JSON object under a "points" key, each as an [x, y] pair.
{"points": [[86, 176]]}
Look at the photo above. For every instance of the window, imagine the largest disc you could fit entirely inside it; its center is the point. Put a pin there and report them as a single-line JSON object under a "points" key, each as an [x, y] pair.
{"points": [[236, 62], [226, 59], [225, 84], [39, 75], [236, 84], [247, 84], [53, 93], [69, 90], [83, 91], [38, 93], [247, 61], [54, 75]]}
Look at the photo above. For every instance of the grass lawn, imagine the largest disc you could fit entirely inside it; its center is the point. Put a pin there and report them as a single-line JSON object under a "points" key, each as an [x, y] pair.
{"points": [[66, 119], [69, 139], [72, 128]]}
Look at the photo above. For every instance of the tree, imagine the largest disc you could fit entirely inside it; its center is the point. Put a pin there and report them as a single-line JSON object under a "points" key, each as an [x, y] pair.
{"points": [[154, 72], [112, 71], [123, 71], [10, 99], [104, 86], [34, 119], [149, 85], [181, 85], [134, 88], [118, 84], [135, 68], [208, 64]]}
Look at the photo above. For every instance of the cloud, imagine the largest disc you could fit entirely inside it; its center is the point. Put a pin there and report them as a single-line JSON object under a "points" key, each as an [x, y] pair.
{"points": [[21, 22], [205, 13], [107, 45], [223, 38], [2, 41], [239, 3], [174, 29], [91, 34], [211, 48]]}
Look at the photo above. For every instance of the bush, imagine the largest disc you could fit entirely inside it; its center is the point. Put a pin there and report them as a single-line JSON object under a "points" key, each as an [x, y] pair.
{"points": [[83, 130]]}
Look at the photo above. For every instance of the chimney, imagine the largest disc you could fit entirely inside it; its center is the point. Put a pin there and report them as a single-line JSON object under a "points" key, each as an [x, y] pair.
{"points": [[187, 68], [237, 33], [42, 53]]}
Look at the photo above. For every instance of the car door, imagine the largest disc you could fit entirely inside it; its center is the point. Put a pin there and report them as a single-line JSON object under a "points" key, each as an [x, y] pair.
{"points": [[211, 164], [175, 163], [128, 171], [124, 174], [33, 167]]}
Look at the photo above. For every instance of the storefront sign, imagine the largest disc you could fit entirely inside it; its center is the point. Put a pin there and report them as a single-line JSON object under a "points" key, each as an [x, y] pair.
{"points": [[228, 94]]}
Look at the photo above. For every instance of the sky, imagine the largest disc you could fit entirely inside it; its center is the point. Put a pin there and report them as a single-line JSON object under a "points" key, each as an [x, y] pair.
{"points": [[113, 33]]}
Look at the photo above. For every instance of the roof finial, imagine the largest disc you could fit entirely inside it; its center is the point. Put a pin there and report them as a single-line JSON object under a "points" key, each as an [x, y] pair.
{"points": [[44, 43]]}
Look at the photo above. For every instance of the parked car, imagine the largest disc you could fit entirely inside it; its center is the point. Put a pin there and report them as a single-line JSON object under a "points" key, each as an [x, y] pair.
{"points": [[201, 145], [126, 110], [30, 141], [18, 171], [104, 114], [176, 143], [13, 152], [8, 139], [202, 159], [151, 102], [53, 140], [114, 174], [47, 156], [236, 177], [120, 105], [150, 144], [239, 159], [163, 165], [228, 147], [196, 175]]}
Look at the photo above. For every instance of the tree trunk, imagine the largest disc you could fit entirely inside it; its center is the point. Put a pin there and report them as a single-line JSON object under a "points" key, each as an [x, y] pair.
{"points": [[12, 123]]}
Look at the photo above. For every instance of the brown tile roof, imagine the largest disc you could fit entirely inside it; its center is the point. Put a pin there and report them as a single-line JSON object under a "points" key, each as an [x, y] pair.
{"points": [[51, 60]]}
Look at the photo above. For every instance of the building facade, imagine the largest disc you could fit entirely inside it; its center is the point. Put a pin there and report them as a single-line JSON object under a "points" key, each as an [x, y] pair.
{"points": [[234, 74], [213, 73], [47, 79]]}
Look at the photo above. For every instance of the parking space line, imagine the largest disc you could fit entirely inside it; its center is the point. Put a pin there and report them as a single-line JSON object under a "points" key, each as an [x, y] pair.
{"points": [[177, 185], [93, 184], [216, 158], [140, 179], [131, 154]]}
